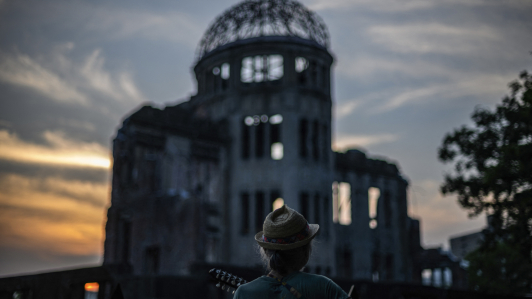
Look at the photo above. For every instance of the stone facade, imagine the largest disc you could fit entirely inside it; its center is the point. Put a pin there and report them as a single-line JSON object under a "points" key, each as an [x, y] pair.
{"points": [[193, 182]]}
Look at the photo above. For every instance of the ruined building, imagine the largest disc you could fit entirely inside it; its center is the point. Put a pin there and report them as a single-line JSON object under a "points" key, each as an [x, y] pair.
{"points": [[193, 182]]}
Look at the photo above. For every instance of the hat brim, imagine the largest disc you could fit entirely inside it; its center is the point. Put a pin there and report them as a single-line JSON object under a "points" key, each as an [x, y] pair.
{"points": [[313, 230]]}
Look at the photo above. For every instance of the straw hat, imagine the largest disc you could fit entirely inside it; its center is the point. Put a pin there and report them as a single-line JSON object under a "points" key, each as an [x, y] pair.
{"points": [[285, 229]]}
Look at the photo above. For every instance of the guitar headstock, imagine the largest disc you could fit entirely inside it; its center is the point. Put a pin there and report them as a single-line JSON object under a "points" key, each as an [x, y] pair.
{"points": [[226, 280]]}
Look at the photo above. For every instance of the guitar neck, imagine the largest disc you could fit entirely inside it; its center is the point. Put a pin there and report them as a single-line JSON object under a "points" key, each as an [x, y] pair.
{"points": [[226, 280]]}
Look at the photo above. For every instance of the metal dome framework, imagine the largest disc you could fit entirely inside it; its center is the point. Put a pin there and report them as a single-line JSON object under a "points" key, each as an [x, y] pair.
{"points": [[255, 18]]}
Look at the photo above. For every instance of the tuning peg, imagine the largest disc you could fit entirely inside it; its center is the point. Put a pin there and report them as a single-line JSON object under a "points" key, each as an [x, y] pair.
{"points": [[234, 290], [228, 289], [217, 273], [233, 282], [218, 285], [223, 286]]}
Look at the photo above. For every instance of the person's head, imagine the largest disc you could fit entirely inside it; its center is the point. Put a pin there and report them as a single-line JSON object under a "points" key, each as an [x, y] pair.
{"points": [[286, 240]]}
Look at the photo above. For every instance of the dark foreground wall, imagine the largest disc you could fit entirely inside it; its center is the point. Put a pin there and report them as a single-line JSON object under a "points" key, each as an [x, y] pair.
{"points": [[116, 283]]}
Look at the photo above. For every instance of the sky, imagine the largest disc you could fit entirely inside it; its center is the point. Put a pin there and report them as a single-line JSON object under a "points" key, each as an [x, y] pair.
{"points": [[405, 74]]}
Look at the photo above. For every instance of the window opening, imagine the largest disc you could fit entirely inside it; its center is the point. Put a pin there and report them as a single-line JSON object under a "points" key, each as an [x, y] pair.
{"points": [[275, 67], [335, 202], [244, 203], [303, 204], [259, 140], [324, 143], [373, 198], [259, 210], [389, 266], [447, 278], [344, 203], [225, 71], [303, 131], [275, 200], [437, 277], [314, 74], [387, 205], [323, 77], [347, 262], [375, 265], [317, 208], [426, 277], [248, 121], [246, 138], [301, 64], [276, 147], [152, 255], [276, 119], [326, 216], [256, 120], [315, 140], [91, 290], [126, 231], [262, 68], [277, 151]]}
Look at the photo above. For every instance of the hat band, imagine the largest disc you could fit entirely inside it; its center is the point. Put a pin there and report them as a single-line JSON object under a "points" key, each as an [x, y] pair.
{"points": [[303, 234]]}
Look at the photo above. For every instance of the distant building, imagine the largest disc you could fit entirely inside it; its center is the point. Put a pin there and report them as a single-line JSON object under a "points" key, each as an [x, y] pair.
{"points": [[193, 182], [463, 245]]}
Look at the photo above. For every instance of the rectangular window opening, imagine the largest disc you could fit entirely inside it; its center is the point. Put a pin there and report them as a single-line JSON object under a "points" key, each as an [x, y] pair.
{"points": [[259, 141], [303, 131], [152, 256], [276, 201], [246, 144], [303, 204], [259, 210], [317, 209], [244, 225], [344, 203], [373, 197], [316, 140]]}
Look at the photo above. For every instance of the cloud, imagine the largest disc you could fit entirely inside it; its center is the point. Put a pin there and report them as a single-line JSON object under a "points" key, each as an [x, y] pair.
{"points": [[385, 5], [344, 109], [371, 4], [488, 85], [440, 216], [121, 88], [66, 81], [20, 69], [345, 141], [173, 26], [54, 215], [433, 38], [57, 151]]}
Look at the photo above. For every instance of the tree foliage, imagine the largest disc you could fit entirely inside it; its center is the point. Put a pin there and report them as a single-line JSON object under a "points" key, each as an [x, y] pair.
{"points": [[499, 271], [493, 168]]}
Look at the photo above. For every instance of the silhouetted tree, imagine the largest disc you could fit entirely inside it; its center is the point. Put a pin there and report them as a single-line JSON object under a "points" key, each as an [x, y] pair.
{"points": [[493, 172], [499, 270]]}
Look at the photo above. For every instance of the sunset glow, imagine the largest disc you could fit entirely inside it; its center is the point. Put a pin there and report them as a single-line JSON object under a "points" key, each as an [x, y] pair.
{"points": [[59, 152]]}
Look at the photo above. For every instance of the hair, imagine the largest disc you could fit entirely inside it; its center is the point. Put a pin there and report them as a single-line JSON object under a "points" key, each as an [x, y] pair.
{"points": [[286, 261]]}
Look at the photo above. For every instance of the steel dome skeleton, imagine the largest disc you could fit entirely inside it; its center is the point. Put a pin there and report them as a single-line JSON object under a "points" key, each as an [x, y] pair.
{"points": [[255, 18]]}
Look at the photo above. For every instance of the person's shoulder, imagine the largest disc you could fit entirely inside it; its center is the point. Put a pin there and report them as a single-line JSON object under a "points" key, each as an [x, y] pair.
{"points": [[313, 277], [322, 284], [257, 286]]}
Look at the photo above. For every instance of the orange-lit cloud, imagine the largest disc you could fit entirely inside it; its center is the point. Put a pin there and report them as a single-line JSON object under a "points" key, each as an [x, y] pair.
{"points": [[53, 215], [60, 151]]}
